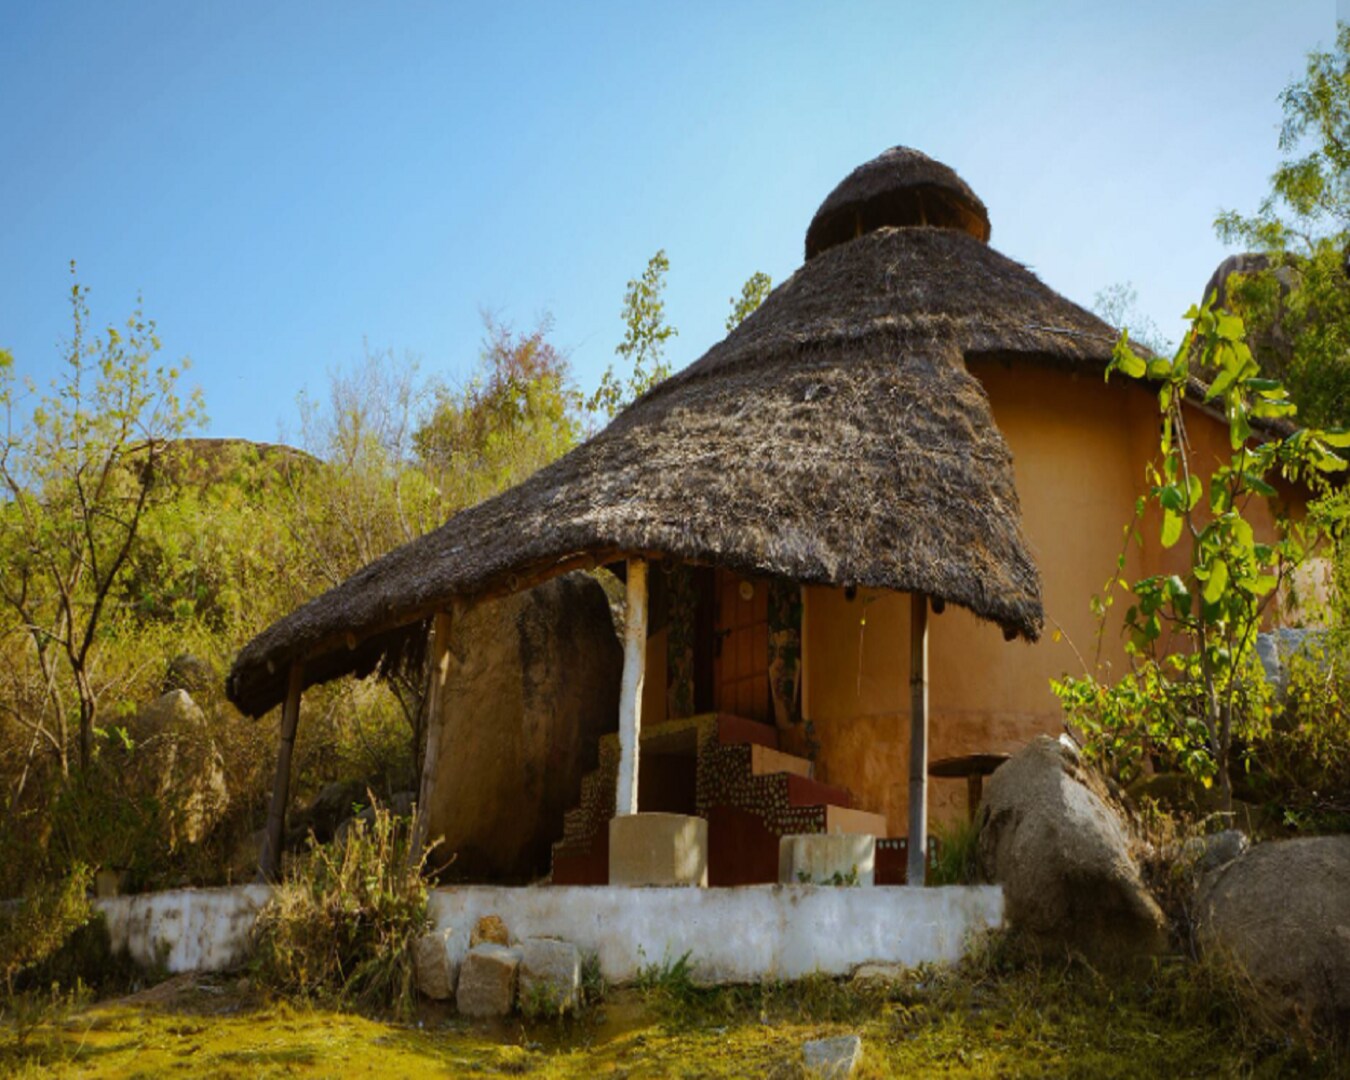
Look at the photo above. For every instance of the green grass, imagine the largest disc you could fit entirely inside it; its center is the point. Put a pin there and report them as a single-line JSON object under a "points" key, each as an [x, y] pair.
{"points": [[992, 1018]]}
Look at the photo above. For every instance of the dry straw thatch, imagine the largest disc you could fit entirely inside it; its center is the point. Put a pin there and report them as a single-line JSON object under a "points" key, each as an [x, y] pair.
{"points": [[900, 187], [835, 437]]}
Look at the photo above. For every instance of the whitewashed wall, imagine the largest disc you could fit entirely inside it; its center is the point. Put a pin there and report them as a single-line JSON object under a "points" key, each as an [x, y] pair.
{"points": [[732, 935]]}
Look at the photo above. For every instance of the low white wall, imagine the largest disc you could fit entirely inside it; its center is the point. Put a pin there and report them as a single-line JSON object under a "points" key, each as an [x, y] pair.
{"points": [[734, 935], [189, 929]]}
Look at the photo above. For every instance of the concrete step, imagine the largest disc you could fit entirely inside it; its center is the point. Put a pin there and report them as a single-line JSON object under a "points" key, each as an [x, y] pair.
{"points": [[844, 819], [804, 792], [765, 760]]}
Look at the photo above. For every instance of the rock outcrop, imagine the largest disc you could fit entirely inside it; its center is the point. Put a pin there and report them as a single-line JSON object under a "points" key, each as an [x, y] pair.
{"points": [[177, 758], [533, 684], [1051, 836], [1282, 911]]}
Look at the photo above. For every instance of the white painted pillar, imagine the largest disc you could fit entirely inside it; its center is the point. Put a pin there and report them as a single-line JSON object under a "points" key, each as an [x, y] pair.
{"points": [[438, 670], [918, 738], [630, 689]]}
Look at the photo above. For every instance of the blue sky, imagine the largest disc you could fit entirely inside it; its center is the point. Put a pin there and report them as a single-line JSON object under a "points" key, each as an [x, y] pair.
{"points": [[282, 181]]}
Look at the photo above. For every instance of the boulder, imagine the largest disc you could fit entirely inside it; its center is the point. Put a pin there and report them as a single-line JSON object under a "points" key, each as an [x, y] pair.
{"points": [[1282, 911], [433, 966], [190, 673], [533, 684], [1275, 648], [550, 976], [489, 928], [175, 756], [333, 805], [400, 804], [1205, 854], [487, 981], [1051, 836]]}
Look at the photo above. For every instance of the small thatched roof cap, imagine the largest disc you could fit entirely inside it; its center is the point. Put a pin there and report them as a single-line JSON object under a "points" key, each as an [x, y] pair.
{"points": [[900, 187], [835, 437]]}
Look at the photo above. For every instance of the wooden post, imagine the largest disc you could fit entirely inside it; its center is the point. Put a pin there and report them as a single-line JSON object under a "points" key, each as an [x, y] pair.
{"points": [[918, 738], [630, 689], [438, 670], [269, 862]]}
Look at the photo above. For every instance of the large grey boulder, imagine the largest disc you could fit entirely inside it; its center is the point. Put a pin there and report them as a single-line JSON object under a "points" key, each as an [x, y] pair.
{"points": [[174, 755], [1282, 911], [533, 684], [1052, 837]]}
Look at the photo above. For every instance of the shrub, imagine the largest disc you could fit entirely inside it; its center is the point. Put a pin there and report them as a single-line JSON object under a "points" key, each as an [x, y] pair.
{"points": [[341, 926], [1301, 768], [957, 854], [44, 918]]}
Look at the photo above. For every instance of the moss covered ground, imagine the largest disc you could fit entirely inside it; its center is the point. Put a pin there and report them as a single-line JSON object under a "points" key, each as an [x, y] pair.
{"points": [[1025, 1022]]}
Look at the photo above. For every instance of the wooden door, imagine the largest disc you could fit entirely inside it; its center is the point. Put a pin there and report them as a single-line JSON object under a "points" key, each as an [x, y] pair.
{"points": [[741, 659]]}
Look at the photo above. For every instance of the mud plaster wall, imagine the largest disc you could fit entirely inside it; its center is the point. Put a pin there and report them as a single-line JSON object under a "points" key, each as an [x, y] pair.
{"points": [[1079, 448]]}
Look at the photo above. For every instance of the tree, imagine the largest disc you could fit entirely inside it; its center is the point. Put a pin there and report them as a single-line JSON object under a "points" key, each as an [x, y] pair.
{"points": [[644, 341], [1187, 705], [1298, 306], [1118, 306], [368, 496], [519, 412], [753, 293], [79, 476]]}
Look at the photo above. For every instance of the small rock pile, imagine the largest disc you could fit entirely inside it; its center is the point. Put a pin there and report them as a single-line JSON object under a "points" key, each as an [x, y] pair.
{"points": [[539, 976]]}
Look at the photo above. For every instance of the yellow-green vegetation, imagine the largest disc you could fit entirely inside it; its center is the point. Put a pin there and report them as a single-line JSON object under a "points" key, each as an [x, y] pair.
{"points": [[984, 1020], [340, 927]]}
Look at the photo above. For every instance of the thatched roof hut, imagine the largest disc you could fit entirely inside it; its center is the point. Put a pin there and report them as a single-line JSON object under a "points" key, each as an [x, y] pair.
{"points": [[835, 437]]}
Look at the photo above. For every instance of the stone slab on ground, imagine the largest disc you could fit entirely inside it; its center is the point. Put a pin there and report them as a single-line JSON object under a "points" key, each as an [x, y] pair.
{"points": [[487, 981], [550, 976], [433, 965], [832, 1059], [820, 859]]}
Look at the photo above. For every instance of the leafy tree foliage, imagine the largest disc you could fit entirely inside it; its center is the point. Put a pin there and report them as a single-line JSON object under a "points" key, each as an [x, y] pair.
{"points": [[80, 475], [753, 293], [1299, 305], [1188, 704], [1118, 306], [644, 341], [519, 412], [371, 497]]}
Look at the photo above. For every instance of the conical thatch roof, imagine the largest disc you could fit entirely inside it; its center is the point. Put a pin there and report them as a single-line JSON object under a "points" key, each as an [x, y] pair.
{"points": [[901, 187], [835, 437]]}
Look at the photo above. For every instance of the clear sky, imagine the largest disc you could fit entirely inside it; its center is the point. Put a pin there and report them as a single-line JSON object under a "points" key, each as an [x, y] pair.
{"points": [[283, 180]]}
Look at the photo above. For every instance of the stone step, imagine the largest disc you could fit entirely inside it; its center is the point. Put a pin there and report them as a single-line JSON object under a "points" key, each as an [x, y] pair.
{"points": [[844, 819], [765, 760]]}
